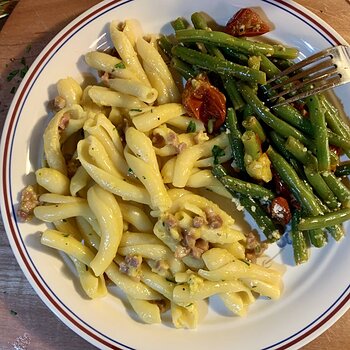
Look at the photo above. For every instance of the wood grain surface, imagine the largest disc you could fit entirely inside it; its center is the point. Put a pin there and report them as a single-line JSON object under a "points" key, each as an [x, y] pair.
{"points": [[25, 322]]}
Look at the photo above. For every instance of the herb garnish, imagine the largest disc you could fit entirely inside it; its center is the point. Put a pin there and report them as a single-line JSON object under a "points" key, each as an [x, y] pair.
{"points": [[191, 127], [120, 65], [217, 153]]}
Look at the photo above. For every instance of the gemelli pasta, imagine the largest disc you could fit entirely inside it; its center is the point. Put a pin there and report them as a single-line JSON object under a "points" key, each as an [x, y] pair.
{"points": [[123, 162]]}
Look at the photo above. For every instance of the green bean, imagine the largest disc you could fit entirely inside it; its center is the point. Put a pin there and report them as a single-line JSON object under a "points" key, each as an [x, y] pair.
{"points": [[235, 140], [295, 184], [336, 231], [184, 69], [252, 144], [279, 143], [263, 112], [254, 62], [334, 158], [321, 188], [299, 242], [339, 141], [292, 116], [222, 39], [253, 124], [282, 63], [300, 152], [318, 237], [230, 86], [334, 120], [268, 67], [235, 56], [338, 188], [280, 51], [165, 44], [252, 207], [342, 169], [246, 188], [247, 111], [218, 65], [328, 219], [179, 24], [320, 134], [265, 223], [200, 22]]}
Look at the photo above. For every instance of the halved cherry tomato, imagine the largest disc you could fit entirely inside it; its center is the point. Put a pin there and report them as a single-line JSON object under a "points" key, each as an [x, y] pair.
{"points": [[280, 211], [204, 101], [246, 22]]}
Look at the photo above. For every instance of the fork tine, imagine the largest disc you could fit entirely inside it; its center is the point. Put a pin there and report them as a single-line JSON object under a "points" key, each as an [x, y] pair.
{"points": [[331, 83], [314, 79], [306, 72], [299, 65]]}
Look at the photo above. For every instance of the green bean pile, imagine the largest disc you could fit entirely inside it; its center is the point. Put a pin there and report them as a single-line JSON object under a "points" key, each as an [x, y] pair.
{"points": [[303, 145]]}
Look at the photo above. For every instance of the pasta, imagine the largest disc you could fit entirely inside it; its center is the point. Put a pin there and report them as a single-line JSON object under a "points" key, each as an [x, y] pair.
{"points": [[123, 160]]}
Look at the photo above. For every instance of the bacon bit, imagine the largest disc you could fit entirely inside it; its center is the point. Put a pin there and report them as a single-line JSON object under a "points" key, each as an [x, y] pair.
{"points": [[182, 146], [204, 101], [72, 166], [59, 102], [64, 121], [131, 266], [214, 220], [194, 245], [29, 201], [254, 247], [280, 211], [158, 141], [181, 251], [170, 221], [170, 139], [104, 76], [198, 221]]}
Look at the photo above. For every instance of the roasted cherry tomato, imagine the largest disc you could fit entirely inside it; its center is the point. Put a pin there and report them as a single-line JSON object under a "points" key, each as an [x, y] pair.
{"points": [[204, 101], [246, 22], [280, 211]]}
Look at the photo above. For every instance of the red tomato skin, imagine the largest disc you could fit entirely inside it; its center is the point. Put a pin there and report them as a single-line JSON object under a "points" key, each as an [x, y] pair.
{"points": [[246, 22], [204, 101]]}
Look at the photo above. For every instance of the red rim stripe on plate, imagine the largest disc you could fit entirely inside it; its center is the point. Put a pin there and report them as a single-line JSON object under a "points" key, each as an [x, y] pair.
{"points": [[8, 207], [311, 19]]}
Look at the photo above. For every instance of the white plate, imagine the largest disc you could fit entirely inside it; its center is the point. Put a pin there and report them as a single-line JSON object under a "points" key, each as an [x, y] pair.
{"points": [[315, 294]]}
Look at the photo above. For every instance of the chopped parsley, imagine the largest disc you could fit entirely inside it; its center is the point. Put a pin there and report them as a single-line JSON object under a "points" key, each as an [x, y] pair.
{"points": [[120, 65], [217, 153], [135, 110], [191, 127]]}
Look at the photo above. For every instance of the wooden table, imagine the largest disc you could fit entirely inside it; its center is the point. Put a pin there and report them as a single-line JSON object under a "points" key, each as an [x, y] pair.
{"points": [[25, 322]]}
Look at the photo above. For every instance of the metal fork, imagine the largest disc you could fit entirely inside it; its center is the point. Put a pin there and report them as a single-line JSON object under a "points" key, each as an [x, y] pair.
{"points": [[319, 72]]}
